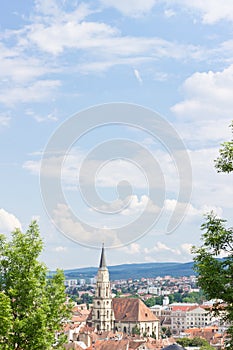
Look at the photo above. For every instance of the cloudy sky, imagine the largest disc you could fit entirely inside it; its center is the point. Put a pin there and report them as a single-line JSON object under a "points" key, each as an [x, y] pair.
{"points": [[58, 58]]}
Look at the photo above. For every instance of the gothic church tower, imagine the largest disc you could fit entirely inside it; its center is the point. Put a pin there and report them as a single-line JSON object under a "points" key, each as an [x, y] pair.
{"points": [[102, 314]]}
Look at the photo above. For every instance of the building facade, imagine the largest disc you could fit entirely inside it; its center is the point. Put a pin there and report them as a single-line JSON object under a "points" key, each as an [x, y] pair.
{"points": [[198, 317]]}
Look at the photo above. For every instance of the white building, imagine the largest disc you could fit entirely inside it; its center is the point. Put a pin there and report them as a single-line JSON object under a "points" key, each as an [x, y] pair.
{"points": [[198, 317]]}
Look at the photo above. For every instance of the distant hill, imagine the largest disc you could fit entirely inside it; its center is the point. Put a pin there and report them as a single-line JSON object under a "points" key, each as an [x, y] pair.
{"points": [[136, 271]]}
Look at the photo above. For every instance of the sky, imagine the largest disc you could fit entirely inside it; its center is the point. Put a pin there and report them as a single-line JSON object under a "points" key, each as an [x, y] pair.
{"points": [[94, 96]]}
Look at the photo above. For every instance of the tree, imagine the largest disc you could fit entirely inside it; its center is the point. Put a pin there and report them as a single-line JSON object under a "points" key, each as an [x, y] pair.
{"points": [[165, 332], [196, 341], [5, 320], [224, 163], [150, 302], [85, 299], [33, 304], [215, 275]]}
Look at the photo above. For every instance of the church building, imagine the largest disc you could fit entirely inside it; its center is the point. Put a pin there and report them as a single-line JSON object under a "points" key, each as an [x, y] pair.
{"points": [[119, 314]]}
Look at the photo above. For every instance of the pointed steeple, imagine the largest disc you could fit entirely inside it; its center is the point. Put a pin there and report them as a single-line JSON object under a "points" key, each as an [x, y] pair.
{"points": [[102, 315], [102, 258]]}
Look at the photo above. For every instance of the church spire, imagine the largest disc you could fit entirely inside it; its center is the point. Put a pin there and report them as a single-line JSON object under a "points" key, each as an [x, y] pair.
{"points": [[102, 315], [102, 258]]}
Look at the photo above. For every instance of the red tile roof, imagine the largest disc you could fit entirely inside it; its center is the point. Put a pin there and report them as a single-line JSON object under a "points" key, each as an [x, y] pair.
{"points": [[184, 307], [132, 310]]}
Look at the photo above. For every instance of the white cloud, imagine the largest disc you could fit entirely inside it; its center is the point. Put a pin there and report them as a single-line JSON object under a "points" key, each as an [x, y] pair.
{"points": [[50, 11], [22, 69], [76, 230], [211, 11], [138, 205], [60, 249], [39, 118], [58, 36], [8, 222], [54, 30], [169, 13], [60, 30], [33, 166], [207, 132], [159, 247], [133, 248], [47, 7], [36, 92], [208, 95], [163, 252], [209, 187], [4, 120], [192, 212], [132, 206], [111, 174], [132, 8], [207, 104], [186, 248]]}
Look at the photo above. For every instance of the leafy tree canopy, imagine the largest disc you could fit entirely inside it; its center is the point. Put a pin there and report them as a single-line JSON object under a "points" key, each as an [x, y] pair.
{"points": [[196, 341], [215, 275], [224, 163], [32, 306]]}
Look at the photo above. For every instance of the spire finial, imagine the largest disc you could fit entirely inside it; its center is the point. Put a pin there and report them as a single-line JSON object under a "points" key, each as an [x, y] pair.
{"points": [[102, 258]]}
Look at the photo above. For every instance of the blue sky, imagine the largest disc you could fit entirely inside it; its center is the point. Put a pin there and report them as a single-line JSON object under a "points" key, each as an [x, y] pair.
{"points": [[58, 58]]}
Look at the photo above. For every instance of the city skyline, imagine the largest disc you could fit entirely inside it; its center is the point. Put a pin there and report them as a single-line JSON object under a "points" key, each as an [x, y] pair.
{"points": [[59, 58]]}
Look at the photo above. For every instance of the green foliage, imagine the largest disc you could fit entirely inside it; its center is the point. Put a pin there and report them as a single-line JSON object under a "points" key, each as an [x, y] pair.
{"points": [[85, 299], [150, 302], [175, 298], [196, 341], [185, 297], [154, 301], [153, 335], [182, 297], [193, 297], [34, 305], [5, 320], [135, 330], [207, 347], [224, 163], [165, 332], [215, 276]]}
